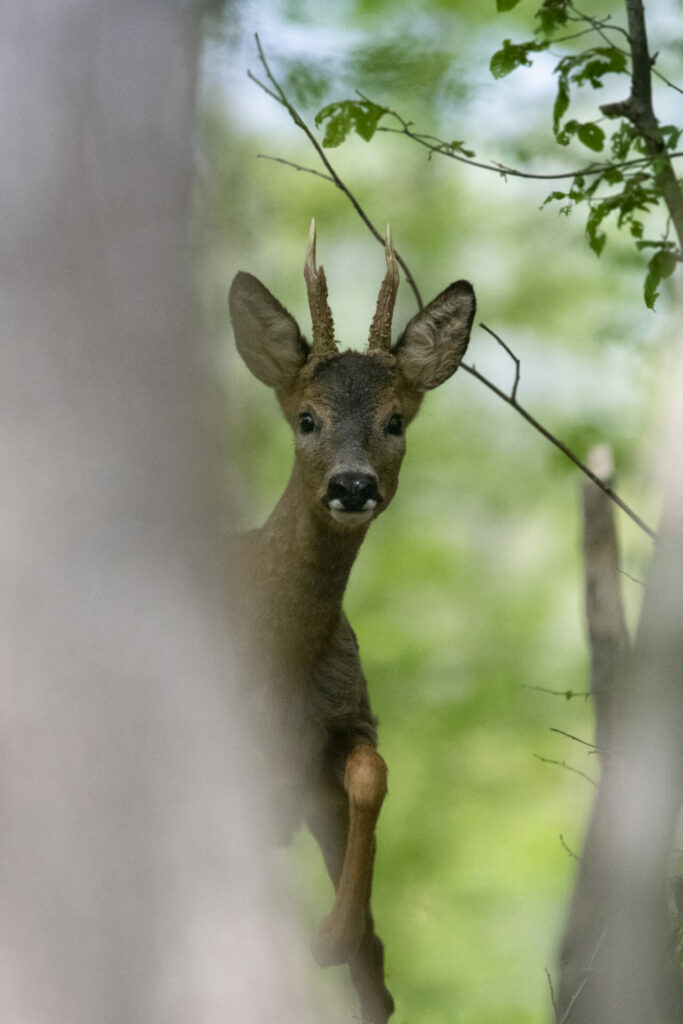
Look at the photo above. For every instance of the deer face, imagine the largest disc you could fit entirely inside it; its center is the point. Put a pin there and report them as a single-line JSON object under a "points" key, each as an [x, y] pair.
{"points": [[349, 415], [349, 410]]}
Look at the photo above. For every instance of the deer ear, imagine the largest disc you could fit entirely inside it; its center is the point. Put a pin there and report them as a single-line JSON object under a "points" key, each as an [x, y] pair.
{"points": [[267, 336], [434, 342]]}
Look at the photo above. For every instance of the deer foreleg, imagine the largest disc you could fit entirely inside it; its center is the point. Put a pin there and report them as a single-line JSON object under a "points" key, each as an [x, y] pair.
{"points": [[365, 782]]}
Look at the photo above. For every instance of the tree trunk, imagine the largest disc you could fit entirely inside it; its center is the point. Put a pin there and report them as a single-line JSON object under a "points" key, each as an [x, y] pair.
{"points": [[618, 954], [130, 881]]}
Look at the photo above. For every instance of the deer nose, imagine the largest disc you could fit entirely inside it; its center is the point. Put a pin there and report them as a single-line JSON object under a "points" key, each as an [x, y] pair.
{"points": [[352, 492]]}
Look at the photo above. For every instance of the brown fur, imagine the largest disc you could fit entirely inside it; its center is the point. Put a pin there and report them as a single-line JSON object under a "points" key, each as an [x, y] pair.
{"points": [[306, 678]]}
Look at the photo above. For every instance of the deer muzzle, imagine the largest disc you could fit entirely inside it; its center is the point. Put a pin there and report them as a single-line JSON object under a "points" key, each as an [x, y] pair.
{"points": [[352, 497]]}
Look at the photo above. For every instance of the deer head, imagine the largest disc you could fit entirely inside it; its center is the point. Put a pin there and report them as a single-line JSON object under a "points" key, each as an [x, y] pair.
{"points": [[349, 410]]}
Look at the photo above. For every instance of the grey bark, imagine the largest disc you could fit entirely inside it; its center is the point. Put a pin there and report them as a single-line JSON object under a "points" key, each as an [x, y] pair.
{"points": [[617, 959], [609, 648], [131, 886]]}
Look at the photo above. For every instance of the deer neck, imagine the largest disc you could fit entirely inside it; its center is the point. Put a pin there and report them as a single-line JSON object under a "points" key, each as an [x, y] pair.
{"points": [[311, 554]]}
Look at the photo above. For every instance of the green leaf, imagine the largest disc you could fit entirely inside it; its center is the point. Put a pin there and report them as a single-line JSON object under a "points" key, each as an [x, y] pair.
{"points": [[671, 135], [458, 146], [554, 196], [613, 176], [561, 104], [591, 135], [513, 55], [665, 262], [596, 238], [361, 116], [552, 14], [506, 5], [601, 60], [662, 265], [650, 293], [622, 140]]}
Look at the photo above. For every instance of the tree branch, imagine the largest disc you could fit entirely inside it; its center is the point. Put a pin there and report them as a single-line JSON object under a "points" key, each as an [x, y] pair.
{"points": [[296, 167], [280, 98], [436, 145], [605, 620], [639, 110], [276, 92], [569, 767], [605, 488]]}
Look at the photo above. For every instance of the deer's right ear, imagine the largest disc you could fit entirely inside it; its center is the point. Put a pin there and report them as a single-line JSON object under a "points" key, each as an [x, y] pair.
{"points": [[268, 337]]}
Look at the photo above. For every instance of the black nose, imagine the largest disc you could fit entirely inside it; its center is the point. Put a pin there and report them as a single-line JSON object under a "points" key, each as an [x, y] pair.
{"points": [[352, 491]]}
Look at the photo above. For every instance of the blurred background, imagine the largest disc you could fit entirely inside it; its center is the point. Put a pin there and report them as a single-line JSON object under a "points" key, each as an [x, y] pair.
{"points": [[132, 886], [467, 597]]}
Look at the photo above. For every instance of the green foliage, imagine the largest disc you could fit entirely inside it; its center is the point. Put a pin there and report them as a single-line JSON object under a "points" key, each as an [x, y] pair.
{"points": [[513, 55], [360, 116], [305, 81], [625, 188], [553, 14], [626, 192], [662, 265], [579, 69]]}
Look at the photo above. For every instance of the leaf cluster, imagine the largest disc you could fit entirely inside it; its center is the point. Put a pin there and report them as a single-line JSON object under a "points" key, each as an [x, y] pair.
{"points": [[627, 184]]}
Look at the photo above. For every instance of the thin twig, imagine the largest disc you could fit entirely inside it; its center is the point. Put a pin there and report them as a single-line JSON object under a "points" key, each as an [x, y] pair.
{"points": [[562, 447], [569, 851], [639, 110], [296, 167], [569, 767], [571, 737], [601, 27], [552, 990], [436, 145], [277, 93], [589, 969], [633, 579], [280, 97], [567, 694], [518, 372]]}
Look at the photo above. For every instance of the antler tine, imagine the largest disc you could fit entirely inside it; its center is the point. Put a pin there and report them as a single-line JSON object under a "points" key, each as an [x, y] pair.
{"points": [[380, 331], [321, 315]]}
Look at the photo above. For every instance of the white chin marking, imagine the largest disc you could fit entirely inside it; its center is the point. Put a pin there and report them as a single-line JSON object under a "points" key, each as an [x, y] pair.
{"points": [[351, 518]]}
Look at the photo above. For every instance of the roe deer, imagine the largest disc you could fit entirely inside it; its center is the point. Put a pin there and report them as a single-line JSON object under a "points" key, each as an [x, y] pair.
{"points": [[348, 411]]}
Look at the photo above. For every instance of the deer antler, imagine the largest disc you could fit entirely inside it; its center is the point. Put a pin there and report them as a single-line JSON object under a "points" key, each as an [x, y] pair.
{"points": [[380, 330], [321, 315]]}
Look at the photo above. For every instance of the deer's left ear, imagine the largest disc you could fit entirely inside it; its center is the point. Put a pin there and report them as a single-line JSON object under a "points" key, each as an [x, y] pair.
{"points": [[434, 342]]}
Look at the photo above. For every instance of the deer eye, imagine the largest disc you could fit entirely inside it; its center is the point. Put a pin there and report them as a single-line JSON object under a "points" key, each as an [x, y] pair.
{"points": [[306, 423], [395, 425]]}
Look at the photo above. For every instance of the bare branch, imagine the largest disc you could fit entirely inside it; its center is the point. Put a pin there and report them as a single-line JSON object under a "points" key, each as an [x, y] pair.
{"points": [[577, 739], [569, 767], [639, 110], [296, 167], [562, 447], [513, 393], [605, 620], [567, 694], [589, 970], [278, 95], [436, 145], [571, 853], [550, 986]]}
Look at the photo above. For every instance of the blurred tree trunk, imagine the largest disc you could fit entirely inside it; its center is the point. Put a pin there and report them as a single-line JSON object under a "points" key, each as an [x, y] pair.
{"points": [[618, 952], [129, 876]]}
